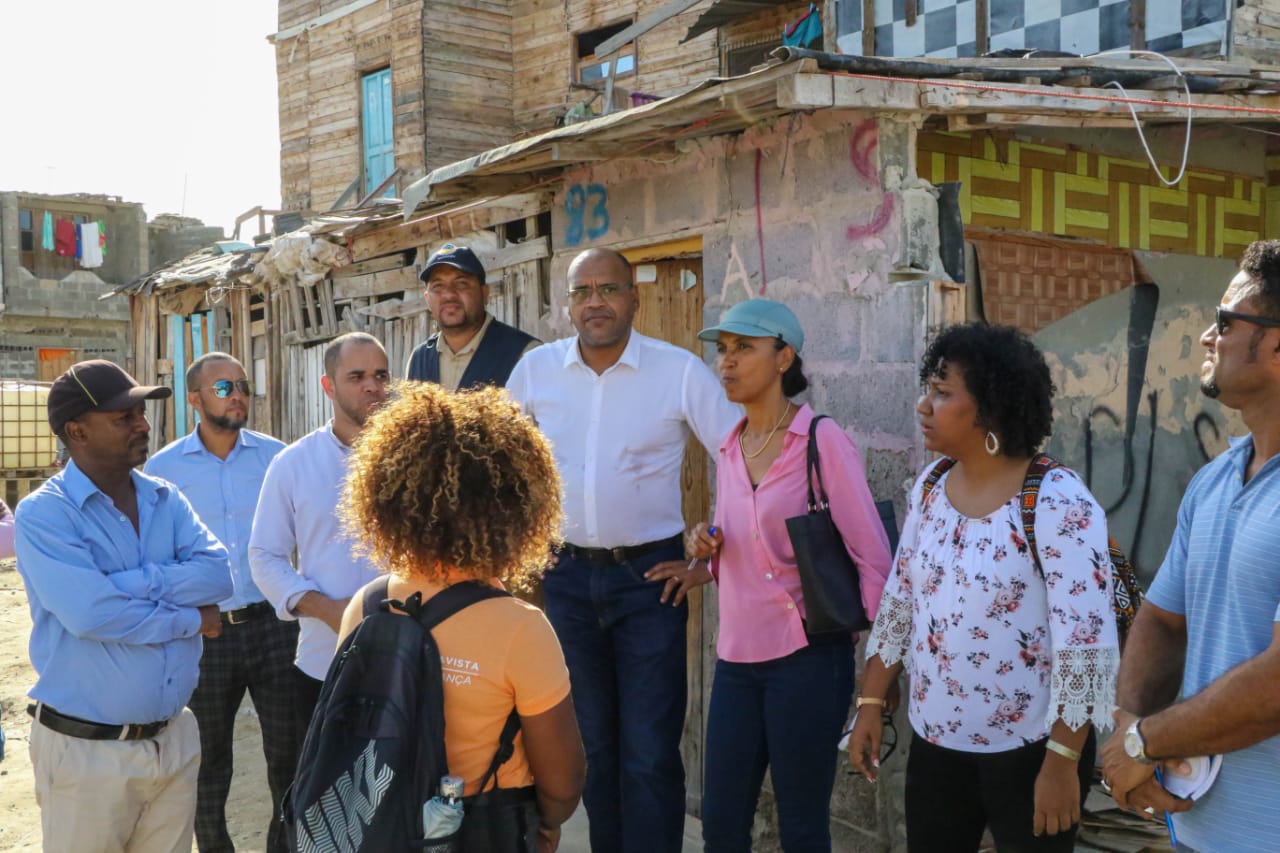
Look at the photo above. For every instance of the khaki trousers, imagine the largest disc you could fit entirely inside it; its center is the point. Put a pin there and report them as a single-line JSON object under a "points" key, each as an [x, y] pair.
{"points": [[106, 796]]}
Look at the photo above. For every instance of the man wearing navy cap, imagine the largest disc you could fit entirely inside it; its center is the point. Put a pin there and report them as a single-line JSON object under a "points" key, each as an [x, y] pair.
{"points": [[122, 579], [471, 348]]}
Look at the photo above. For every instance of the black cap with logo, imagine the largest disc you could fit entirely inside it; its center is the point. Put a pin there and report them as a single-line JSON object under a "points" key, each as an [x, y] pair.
{"points": [[459, 257], [96, 386]]}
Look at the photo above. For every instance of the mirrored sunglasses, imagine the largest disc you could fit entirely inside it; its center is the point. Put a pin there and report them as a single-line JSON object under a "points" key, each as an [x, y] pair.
{"points": [[224, 387]]}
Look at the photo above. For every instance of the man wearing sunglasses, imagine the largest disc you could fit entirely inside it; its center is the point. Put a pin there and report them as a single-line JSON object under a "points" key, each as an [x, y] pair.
{"points": [[619, 408], [219, 467], [471, 348], [1200, 673]]}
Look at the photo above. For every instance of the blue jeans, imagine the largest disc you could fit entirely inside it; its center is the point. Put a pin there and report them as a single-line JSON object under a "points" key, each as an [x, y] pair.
{"points": [[785, 715], [626, 657]]}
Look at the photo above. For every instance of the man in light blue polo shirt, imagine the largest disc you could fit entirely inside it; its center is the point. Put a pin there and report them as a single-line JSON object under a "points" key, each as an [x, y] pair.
{"points": [[1211, 622], [122, 580], [219, 468]]}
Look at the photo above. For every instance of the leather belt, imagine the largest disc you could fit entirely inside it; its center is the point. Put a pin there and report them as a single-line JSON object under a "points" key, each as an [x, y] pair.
{"points": [[76, 727], [247, 613], [618, 556]]}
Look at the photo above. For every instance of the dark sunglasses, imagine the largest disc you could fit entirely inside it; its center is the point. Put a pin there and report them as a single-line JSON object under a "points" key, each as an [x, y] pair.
{"points": [[224, 387], [888, 737], [1223, 318]]}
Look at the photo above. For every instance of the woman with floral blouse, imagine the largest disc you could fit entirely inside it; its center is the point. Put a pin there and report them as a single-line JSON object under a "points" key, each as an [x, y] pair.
{"points": [[1010, 668]]}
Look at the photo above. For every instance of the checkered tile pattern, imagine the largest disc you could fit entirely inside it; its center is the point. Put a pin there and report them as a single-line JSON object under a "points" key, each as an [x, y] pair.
{"points": [[945, 28]]}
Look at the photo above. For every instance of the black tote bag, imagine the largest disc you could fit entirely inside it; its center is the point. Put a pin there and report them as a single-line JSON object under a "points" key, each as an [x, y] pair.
{"points": [[828, 577]]}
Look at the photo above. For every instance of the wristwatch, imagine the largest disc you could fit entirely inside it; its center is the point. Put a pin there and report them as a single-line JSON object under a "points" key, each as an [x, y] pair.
{"points": [[1134, 746]]}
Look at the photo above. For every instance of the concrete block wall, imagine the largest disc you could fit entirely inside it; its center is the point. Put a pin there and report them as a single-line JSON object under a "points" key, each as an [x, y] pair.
{"points": [[850, 244]]}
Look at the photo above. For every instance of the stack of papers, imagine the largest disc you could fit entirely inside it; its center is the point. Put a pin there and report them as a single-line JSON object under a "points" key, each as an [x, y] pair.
{"points": [[1191, 785]]}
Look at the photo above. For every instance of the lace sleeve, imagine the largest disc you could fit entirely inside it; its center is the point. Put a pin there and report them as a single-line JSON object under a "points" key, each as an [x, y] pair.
{"points": [[891, 635], [1083, 689]]}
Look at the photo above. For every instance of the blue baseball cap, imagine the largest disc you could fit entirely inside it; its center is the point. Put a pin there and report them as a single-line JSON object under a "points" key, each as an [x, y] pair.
{"points": [[459, 257], [759, 318]]}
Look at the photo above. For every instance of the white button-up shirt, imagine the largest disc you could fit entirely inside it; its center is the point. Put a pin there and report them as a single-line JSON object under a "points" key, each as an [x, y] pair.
{"points": [[619, 437], [296, 510]]}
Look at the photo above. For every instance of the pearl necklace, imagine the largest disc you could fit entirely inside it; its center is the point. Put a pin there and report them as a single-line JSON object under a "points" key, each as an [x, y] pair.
{"points": [[768, 439]]}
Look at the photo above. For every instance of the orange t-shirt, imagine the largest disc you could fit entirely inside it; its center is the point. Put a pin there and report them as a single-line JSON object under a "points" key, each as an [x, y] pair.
{"points": [[496, 653]]}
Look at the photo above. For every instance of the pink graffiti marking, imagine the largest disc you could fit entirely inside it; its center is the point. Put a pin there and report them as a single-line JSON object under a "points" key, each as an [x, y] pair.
{"points": [[861, 146], [879, 219]]}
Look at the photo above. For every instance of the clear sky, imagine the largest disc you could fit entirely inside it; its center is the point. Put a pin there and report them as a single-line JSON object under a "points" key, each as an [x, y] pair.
{"points": [[169, 103]]}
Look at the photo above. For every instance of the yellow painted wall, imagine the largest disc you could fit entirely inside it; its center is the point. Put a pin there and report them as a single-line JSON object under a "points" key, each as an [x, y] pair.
{"points": [[1017, 185]]}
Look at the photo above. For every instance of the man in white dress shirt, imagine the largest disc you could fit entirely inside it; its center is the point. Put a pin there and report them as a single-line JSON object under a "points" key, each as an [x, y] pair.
{"points": [[296, 511], [619, 408]]}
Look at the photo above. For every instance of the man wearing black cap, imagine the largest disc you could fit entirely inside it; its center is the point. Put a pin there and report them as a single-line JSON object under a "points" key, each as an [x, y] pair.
{"points": [[122, 579], [477, 349]]}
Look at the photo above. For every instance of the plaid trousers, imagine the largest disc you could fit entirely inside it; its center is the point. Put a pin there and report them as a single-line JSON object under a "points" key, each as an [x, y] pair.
{"points": [[256, 656]]}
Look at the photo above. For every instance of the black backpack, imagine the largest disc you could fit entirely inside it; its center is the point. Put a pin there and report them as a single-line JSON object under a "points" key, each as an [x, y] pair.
{"points": [[374, 751]]}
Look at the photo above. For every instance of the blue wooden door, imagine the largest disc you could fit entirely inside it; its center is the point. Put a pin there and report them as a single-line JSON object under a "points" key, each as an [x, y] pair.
{"points": [[379, 141]]}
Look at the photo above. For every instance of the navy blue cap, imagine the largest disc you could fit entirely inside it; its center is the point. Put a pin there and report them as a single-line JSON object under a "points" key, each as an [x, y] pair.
{"points": [[459, 257]]}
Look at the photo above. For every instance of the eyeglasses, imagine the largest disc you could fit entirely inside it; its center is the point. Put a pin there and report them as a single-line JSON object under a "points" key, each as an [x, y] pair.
{"points": [[1223, 318], [578, 295], [224, 387], [888, 736]]}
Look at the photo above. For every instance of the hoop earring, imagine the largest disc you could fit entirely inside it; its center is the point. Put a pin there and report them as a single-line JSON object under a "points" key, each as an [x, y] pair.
{"points": [[992, 444]]}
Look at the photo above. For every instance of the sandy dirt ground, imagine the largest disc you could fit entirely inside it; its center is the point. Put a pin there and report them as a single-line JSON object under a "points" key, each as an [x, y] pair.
{"points": [[248, 808]]}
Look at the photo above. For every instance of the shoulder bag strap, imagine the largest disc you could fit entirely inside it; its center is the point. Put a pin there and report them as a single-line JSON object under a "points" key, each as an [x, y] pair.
{"points": [[1040, 465], [819, 501], [506, 748], [451, 599], [374, 595], [940, 467]]}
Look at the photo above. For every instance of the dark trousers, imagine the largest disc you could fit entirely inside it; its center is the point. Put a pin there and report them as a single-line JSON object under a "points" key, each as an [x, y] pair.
{"points": [[306, 695], [785, 715], [952, 796], [256, 656], [626, 657]]}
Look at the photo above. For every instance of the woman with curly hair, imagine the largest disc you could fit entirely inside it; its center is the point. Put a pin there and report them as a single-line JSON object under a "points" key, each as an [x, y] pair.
{"points": [[1012, 658], [447, 488]]}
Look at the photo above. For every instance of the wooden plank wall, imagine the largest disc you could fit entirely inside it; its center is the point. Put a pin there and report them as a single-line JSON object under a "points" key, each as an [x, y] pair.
{"points": [[318, 79], [466, 51], [762, 27], [544, 54], [1255, 31]]}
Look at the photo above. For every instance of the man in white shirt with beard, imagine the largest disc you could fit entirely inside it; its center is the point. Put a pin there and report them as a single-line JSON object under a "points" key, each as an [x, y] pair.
{"points": [[619, 408], [297, 511]]}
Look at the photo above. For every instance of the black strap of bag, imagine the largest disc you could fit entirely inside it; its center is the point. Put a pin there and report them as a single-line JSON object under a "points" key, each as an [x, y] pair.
{"points": [[813, 470]]}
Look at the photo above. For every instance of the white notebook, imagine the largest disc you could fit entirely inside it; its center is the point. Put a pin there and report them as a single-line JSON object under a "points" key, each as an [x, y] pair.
{"points": [[1203, 769]]}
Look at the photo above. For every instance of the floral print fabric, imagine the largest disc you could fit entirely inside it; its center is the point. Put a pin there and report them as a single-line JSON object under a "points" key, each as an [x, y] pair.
{"points": [[996, 652]]}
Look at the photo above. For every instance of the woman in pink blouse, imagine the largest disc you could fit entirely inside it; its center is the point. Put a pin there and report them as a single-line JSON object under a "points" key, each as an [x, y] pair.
{"points": [[780, 695], [1011, 665]]}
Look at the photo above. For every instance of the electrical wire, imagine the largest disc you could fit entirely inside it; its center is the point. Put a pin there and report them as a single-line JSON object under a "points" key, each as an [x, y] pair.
{"points": [[1142, 135]]}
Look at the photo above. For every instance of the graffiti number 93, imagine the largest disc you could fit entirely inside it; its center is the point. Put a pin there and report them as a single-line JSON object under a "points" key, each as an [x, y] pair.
{"points": [[588, 211]]}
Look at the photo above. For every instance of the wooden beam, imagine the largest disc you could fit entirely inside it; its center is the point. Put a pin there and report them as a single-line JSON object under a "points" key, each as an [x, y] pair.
{"points": [[642, 26], [390, 262], [394, 309], [320, 20], [981, 26], [479, 186], [517, 253], [586, 152], [869, 27], [986, 121], [375, 284], [447, 225]]}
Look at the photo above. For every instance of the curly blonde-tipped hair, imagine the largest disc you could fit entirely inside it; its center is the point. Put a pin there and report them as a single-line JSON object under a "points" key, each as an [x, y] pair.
{"points": [[444, 482]]}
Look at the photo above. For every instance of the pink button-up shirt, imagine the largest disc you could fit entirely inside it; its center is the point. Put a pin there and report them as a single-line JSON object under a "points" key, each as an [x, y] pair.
{"points": [[761, 604]]}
